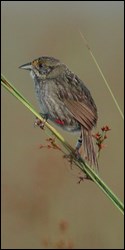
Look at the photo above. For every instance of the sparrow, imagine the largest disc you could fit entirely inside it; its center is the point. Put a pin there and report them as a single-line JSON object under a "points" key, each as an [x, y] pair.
{"points": [[65, 100]]}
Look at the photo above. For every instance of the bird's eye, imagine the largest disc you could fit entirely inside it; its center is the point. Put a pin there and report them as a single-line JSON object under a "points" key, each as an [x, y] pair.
{"points": [[40, 65]]}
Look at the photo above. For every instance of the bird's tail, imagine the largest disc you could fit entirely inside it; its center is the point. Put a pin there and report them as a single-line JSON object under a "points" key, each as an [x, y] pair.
{"points": [[89, 149]]}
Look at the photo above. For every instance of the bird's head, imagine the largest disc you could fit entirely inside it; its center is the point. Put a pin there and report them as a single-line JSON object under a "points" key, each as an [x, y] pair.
{"points": [[44, 67]]}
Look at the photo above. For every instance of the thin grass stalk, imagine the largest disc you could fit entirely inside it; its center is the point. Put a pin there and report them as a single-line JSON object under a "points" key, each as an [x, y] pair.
{"points": [[101, 73]]}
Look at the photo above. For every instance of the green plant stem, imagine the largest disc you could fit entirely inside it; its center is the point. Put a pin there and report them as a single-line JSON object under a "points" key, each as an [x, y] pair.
{"points": [[78, 162]]}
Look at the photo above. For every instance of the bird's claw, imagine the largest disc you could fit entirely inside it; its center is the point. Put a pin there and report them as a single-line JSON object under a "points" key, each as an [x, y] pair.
{"points": [[39, 123], [72, 156]]}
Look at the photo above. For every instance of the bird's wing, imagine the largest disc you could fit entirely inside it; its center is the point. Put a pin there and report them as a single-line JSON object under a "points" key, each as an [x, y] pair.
{"points": [[82, 113]]}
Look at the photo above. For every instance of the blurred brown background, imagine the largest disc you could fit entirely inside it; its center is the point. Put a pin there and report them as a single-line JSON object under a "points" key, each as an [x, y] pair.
{"points": [[39, 190]]}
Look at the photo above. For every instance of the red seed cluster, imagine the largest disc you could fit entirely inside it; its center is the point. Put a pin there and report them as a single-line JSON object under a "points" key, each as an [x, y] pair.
{"points": [[100, 137]]}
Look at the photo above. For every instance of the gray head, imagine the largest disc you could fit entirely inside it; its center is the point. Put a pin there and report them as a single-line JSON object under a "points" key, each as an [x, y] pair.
{"points": [[44, 67]]}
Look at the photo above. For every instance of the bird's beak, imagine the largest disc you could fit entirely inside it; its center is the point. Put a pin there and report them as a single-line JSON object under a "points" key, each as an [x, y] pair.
{"points": [[27, 66]]}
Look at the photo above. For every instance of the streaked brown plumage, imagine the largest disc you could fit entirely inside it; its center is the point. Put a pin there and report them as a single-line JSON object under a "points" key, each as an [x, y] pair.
{"points": [[65, 100]]}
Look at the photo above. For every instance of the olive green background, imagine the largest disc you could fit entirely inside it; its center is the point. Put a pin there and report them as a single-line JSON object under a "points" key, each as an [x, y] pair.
{"points": [[39, 189]]}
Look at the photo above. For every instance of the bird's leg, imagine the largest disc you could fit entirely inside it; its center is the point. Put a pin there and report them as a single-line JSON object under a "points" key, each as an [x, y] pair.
{"points": [[78, 144], [75, 153], [40, 123], [77, 147]]}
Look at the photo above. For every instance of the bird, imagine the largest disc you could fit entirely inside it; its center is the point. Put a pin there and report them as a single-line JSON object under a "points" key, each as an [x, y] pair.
{"points": [[65, 100]]}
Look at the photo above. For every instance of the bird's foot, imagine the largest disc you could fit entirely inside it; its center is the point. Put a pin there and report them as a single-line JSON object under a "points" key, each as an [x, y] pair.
{"points": [[82, 178], [40, 123], [72, 156]]}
